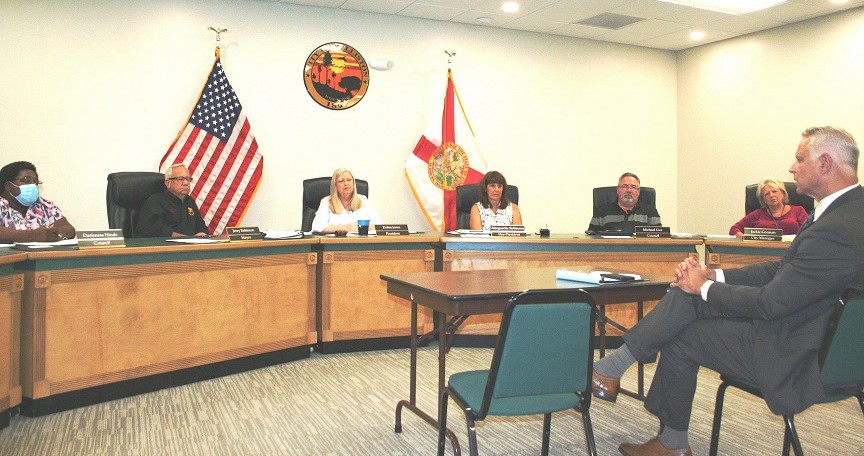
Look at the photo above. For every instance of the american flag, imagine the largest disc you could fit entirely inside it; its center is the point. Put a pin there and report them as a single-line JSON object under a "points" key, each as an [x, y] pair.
{"points": [[218, 147]]}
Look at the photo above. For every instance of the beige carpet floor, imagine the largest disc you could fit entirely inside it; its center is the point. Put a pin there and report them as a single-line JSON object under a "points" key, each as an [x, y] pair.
{"points": [[342, 404]]}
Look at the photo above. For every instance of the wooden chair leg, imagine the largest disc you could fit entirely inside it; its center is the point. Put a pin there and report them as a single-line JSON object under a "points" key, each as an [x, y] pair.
{"points": [[718, 415], [547, 424]]}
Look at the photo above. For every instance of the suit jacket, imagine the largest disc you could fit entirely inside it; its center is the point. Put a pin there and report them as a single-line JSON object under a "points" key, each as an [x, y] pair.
{"points": [[791, 306]]}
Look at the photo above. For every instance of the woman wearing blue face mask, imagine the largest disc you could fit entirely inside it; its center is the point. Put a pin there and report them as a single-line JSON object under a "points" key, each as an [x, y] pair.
{"points": [[24, 215]]}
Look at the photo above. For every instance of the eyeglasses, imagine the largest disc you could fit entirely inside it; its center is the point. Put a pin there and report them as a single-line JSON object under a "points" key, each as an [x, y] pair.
{"points": [[181, 179], [635, 188], [27, 180]]}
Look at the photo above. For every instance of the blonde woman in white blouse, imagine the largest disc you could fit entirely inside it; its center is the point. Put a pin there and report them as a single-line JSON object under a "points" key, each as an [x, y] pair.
{"points": [[344, 206], [494, 208]]}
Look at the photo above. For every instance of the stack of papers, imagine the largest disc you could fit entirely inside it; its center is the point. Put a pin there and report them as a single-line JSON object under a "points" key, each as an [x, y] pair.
{"points": [[64, 244], [470, 233], [591, 276], [279, 234]]}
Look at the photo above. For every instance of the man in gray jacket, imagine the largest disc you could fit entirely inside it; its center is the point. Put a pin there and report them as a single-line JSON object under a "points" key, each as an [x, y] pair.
{"points": [[763, 323]]}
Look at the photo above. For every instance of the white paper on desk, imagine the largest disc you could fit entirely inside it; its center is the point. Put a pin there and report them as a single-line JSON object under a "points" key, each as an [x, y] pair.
{"points": [[470, 233], [48, 244], [588, 277], [720, 236], [6, 245], [605, 236], [194, 240], [280, 234]]}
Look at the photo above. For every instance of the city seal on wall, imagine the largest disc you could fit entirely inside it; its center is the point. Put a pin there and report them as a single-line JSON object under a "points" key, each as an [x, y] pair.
{"points": [[336, 76], [448, 166]]}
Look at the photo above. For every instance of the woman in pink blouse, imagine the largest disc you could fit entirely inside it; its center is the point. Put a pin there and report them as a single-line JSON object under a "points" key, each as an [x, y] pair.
{"points": [[775, 213]]}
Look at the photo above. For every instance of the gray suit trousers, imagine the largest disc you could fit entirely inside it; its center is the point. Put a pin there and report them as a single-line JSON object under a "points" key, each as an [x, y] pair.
{"points": [[682, 328]]}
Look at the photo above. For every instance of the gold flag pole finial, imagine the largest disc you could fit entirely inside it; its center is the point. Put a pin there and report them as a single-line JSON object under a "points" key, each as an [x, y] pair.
{"points": [[218, 33]]}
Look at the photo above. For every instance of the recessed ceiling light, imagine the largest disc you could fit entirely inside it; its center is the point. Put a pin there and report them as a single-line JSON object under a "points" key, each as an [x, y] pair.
{"points": [[737, 7], [697, 35], [510, 7], [484, 20]]}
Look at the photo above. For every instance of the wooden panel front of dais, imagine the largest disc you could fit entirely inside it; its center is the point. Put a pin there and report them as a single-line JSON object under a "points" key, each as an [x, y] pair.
{"points": [[89, 326], [354, 300]]}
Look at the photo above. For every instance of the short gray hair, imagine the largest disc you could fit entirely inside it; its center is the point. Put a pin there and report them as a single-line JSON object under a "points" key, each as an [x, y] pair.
{"points": [[837, 142]]}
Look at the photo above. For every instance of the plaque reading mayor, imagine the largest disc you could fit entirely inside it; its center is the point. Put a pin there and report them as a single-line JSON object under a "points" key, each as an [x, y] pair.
{"points": [[336, 76]]}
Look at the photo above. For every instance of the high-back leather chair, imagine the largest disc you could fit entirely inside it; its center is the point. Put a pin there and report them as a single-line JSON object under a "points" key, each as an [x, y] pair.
{"points": [[125, 196], [468, 195], [604, 196], [751, 202], [316, 188]]}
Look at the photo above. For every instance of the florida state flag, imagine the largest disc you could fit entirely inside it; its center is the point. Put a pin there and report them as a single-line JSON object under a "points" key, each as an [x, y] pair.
{"points": [[446, 157]]}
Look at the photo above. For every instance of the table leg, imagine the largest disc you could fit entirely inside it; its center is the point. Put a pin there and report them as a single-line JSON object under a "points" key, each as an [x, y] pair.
{"points": [[411, 403]]}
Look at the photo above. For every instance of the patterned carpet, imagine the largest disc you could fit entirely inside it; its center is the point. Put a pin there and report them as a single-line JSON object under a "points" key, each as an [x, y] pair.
{"points": [[342, 404]]}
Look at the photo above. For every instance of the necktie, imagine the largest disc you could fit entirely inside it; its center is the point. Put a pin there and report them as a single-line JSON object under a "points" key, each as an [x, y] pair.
{"points": [[793, 247]]}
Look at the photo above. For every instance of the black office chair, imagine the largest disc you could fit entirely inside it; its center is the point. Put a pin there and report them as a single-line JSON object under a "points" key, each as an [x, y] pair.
{"points": [[841, 362], [751, 202], [125, 196], [469, 194], [317, 188], [604, 196]]}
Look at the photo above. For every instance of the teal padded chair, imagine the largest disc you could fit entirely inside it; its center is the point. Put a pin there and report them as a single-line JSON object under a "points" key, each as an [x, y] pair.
{"points": [[841, 358], [542, 364]]}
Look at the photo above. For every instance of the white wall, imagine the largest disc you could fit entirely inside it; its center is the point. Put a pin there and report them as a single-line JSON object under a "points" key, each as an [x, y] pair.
{"points": [[89, 88], [743, 104]]}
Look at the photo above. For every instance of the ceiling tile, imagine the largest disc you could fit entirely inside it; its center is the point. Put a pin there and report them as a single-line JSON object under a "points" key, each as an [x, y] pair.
{"points": [[681, 39], [664, 27], [438, 13], [640, 31], [377, 6]]}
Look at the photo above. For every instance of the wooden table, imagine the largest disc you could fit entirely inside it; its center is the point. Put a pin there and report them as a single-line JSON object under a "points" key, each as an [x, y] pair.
{"points": [[106, 323], [736, 253], [461, 293], [648, 256], [355, 312], [11, 285]]}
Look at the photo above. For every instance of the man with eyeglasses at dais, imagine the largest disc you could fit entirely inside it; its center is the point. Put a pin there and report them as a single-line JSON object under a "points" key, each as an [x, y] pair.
{"points": [[172, 213], [25, 215], [627, 212]]}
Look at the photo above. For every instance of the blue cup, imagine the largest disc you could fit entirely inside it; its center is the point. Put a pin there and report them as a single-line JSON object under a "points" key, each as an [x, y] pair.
{"points": [[363, 227]]}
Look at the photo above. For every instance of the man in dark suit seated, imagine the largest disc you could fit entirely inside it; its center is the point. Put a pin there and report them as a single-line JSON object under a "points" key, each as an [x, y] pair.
{"points": [[627, 212], [172, 213], [763, 323]]}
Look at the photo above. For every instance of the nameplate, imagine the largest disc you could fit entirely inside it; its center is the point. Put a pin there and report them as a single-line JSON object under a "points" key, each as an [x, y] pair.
{"points": [[244, 233], [390, 229], [507, 230], [763, 234], [243, 230], [246, 237], [652, 232], [100, 239]]}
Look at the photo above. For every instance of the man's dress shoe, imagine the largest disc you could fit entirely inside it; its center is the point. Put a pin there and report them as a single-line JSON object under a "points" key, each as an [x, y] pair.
{"points": [[652, 447], [605, 388]]}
